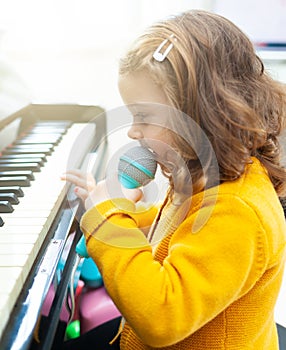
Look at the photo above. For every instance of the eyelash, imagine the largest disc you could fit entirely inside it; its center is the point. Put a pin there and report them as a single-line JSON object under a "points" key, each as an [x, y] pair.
{"points": [[140, 116]]}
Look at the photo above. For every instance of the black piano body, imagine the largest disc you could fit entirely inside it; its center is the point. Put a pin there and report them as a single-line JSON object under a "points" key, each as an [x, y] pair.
{"points": [[18, 328]]}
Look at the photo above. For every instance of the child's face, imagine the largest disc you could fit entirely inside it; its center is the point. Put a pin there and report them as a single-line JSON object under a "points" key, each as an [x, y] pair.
{"points": [[150, 109]]}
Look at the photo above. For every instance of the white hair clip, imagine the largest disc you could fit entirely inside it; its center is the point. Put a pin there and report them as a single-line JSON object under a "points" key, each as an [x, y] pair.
{"points": [[160, 56]]}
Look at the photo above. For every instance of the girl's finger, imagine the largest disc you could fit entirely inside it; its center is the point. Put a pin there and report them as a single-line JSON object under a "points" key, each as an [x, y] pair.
{"points": [[79, 173], [90, 182], [87, 181], [81, 193], [75, 180]]}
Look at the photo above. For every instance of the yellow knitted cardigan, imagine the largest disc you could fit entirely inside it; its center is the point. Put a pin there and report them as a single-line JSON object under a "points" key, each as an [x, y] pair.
{"points": [[213, 279]]}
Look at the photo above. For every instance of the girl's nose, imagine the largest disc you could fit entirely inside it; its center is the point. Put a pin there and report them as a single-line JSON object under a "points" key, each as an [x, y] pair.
{"points": [[135, 132]]}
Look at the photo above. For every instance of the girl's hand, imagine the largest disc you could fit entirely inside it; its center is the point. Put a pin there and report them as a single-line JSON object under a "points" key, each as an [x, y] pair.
{"points": [[84, 182], [92, 193]]}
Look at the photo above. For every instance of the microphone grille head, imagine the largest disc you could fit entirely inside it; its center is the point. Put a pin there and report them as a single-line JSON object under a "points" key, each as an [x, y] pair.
{"points": [[136, 167]]}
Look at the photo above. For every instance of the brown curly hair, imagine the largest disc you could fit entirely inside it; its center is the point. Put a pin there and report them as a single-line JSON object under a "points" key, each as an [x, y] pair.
{"points": [[214, 76]]}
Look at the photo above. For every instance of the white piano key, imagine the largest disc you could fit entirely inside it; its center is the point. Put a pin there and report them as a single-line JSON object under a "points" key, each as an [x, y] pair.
{"points": [[38, 202], [11, 230], [24, 261], [12, 249], [10, 287], [19, 238], [22, 221], [9, 249], [26, 213], [12, 282], [5, 310], [17, 258], [26, 230]]}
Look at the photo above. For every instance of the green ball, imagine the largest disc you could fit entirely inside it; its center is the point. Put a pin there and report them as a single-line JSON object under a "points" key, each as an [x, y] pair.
{"points": [[73, 330]]}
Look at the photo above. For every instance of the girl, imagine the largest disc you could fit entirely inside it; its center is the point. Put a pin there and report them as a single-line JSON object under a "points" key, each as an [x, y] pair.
{"points": [[208, 272]]}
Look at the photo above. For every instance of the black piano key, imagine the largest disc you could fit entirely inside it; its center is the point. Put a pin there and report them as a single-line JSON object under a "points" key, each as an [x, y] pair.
{"points": [[22, 181], [51, 134], [1, 222], [43, 132], [21, 166], [42, 156], [22, 160], [10, 197], [45, 147], [6, 207], [27, 173], [25, 151], [12, 189], [37, 140]]}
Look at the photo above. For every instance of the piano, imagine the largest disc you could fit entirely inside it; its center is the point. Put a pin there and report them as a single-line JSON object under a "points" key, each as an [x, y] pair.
{"points": [[38, 211]]}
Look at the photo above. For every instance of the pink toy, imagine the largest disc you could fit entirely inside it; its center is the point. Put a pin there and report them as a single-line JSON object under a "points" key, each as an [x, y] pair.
{"points": [[96, 308], [64, 315]]}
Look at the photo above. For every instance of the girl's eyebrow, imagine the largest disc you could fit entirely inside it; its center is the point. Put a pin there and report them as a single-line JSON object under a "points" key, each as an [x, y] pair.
{"points": [[139, 108], [140, 105], [148, 108]]}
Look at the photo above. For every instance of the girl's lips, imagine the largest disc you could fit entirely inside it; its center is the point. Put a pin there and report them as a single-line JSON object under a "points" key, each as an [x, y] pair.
{"points": [[145, 145]]}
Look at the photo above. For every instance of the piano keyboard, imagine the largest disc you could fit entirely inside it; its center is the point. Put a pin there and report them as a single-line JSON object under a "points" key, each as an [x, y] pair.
{"points": [[38, 158]]}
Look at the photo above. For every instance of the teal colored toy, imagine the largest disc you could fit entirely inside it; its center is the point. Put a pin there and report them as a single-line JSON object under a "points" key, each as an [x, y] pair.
{"points": [[90, 274], [89, 271], [81, 248]]}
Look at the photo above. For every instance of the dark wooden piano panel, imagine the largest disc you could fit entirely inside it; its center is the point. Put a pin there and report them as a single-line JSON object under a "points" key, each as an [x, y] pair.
{"points": [[28, 261]]}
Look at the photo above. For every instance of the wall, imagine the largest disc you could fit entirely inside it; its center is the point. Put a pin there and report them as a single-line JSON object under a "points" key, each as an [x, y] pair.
{"points": [[68, 50]]}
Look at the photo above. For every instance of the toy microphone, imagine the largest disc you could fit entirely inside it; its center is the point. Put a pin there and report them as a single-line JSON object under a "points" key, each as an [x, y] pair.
{"points": [[136, 167]]}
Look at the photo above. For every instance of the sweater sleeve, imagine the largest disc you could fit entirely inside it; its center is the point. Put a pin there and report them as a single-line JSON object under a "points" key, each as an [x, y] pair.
{"points": [[203, 273], [145, 215], [113, 223]]}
